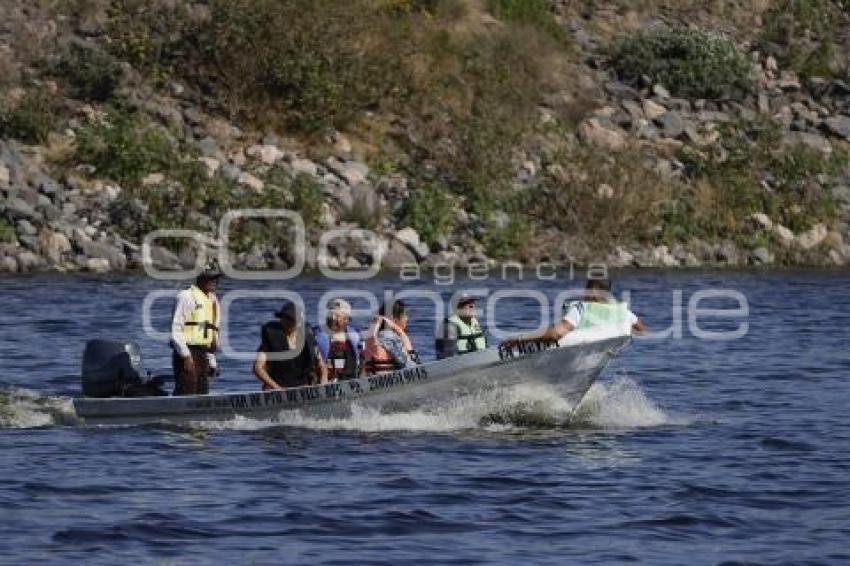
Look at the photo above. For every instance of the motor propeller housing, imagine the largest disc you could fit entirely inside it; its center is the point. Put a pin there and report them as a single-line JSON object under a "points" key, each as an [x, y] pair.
{"points": [[114, 369]]}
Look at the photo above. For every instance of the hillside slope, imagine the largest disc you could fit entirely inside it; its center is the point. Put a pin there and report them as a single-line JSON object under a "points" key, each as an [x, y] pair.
{"points": [[648, 133]]}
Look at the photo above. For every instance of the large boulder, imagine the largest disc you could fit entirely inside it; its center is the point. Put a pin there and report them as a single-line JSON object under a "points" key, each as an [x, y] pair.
{"points": [[728, 253], [28, 261], [268, 154], [761, 256], [352, 172], [17, 207], [397, 254], [661, 256], [364, 197], [211, 164], [102, 250], [249, 181], [97, 265], [593, 133], [812, 237], [304, 167], [8, 264], [54, 245], [652, 109], [409, 237], [813, 141], [838, 126], [783, 234], [164, 259], [671, 124]]}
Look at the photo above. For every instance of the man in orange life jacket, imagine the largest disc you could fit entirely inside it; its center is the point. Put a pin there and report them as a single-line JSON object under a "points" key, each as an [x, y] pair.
{"points": [[339, 343], [194, 334], [387, 345]]}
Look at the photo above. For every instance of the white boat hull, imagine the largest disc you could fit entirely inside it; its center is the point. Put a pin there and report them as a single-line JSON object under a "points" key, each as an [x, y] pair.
{"points": [[572, 365]]}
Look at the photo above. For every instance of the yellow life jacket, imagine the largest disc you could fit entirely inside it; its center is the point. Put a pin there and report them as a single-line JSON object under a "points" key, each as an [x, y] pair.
{"points": [[201, 325], [470, 337]]}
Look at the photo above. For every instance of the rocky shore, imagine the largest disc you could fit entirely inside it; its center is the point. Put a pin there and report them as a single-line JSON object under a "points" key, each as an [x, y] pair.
{"points": [[58, 213]]}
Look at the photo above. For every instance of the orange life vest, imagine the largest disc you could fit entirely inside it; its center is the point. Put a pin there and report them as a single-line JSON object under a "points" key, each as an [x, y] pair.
{"points": [[377, 358]]}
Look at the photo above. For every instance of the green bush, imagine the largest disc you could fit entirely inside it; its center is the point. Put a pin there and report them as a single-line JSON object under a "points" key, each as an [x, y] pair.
{"points": [[307, 198], [92, 73], [125, 148], [31, 118], [506, 241], [431, 211], [308, 64], [690, 63], [473, 111], [804, 31], [153, 36], [536, 13], [749, 152], [7, 232]]}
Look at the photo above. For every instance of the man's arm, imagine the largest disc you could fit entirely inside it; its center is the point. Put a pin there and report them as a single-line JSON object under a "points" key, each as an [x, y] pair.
{"points": [[216, 321], [184, 306], [262, 374], [551, 334], [321, 366]]}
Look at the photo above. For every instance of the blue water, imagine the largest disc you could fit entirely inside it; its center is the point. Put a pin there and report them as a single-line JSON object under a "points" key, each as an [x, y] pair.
{"points": [[686, 451]]}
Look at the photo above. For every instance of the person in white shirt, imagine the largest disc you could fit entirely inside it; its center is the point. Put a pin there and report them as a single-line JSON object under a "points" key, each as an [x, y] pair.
{"points": [[194, 334], [598, 308]]}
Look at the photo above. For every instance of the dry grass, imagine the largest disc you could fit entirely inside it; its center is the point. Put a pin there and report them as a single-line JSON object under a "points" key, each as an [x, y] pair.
{"points": [[605, 199], [738, 18]]}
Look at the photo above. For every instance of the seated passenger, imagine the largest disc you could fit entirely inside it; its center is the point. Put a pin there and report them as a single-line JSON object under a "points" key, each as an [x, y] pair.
{"points": [[599, 308], [387, 345], [461, 333], [280, 336], [339, 343]]}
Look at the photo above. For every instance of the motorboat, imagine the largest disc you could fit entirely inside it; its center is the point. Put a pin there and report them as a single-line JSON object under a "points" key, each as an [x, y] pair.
{"points": [[115, 391]]}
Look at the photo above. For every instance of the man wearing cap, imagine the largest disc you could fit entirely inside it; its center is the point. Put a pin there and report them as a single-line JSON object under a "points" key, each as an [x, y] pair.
{"points": [[288, 355], [194, 334], [339, 343], [462, 333]]}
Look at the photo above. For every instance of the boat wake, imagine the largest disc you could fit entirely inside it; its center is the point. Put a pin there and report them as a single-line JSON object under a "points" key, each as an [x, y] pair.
{"points": [[616, 404], [25, 408], [619, 404]]}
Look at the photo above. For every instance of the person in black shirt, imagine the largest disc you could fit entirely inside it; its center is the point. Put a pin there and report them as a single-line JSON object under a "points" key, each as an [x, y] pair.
{"points": [[281, 337]]}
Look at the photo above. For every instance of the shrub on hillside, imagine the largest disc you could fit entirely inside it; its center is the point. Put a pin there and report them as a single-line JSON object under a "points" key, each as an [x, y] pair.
{"points": [[308, 64], [750, 152], [803, 34], [475, 106], [688, 62], [7, 232], [536, 13], [29, 118], [307, 199], [431, 211], [601, 198], [92, 73], [154, 36], [125, 148]]}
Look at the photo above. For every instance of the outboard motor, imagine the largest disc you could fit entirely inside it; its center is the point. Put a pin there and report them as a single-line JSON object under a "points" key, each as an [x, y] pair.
{"points": [[114, 369]]}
